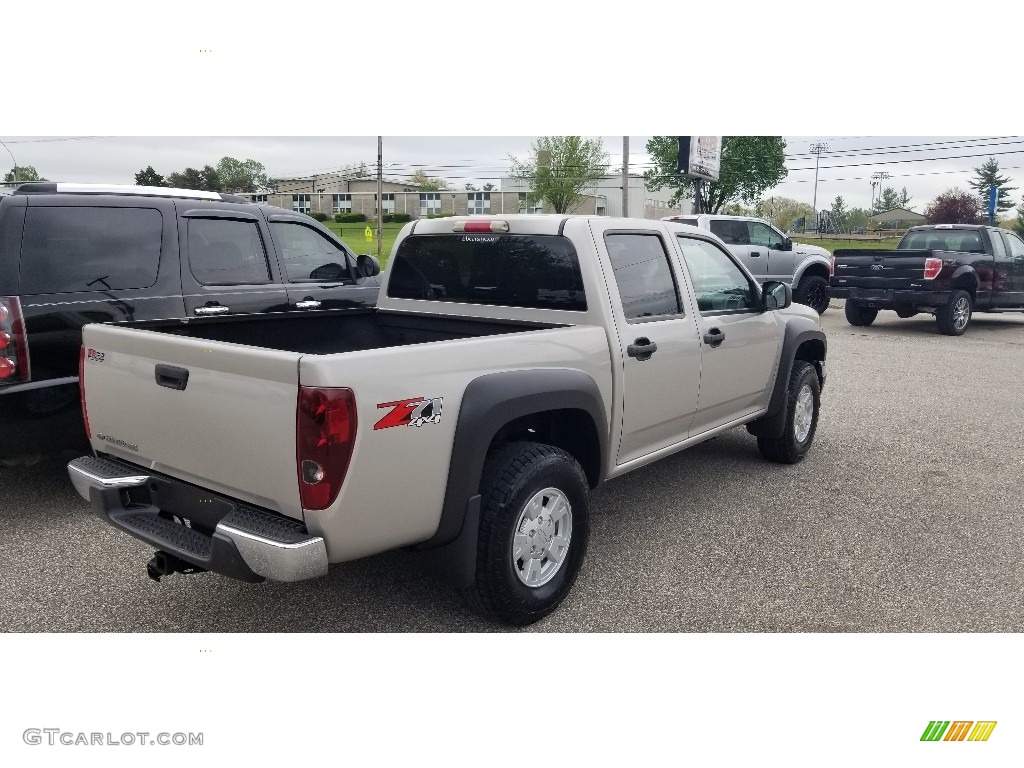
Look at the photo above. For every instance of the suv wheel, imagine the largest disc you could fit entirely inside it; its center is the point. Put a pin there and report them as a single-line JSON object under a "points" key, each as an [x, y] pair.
{"points": [[813, 292], [859, 315], [954, 317], [803, 399], [534, 527]]}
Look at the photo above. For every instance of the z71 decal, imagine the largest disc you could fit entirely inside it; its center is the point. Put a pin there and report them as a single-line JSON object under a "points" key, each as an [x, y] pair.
{"points": [[414, 412]]}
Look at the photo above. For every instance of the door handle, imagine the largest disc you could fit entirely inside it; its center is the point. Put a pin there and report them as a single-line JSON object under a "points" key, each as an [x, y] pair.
{"points": [[307, 304], [755, 254], [714, 338], [216, 309], [171, 376], [642, 349]]}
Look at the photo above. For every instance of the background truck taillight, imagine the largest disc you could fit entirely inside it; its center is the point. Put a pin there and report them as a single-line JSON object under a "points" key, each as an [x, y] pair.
{"points": [[832, 267], [81, 390], [14, 363], [325, 433], [932, 267]]}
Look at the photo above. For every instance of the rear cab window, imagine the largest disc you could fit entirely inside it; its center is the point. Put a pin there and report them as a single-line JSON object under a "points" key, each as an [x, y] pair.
{"points": [[88, 249], [512, 270]]}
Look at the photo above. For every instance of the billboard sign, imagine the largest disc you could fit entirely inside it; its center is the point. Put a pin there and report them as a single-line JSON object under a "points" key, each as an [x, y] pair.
{"points": [[700, 156]]}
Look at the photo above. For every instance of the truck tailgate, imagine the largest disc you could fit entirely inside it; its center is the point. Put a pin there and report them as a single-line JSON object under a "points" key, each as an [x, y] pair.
{"points": [[879, 269], [229, 426]]}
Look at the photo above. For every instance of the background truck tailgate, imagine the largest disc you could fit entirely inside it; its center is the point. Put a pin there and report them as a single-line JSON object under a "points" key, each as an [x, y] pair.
{"points": [[879, 269], [230, 429]]}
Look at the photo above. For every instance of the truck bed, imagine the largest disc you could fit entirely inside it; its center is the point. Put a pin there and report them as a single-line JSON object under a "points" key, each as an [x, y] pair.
{"points": [[344, 331]]}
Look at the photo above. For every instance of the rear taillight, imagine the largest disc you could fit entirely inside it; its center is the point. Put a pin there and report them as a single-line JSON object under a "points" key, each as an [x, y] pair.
{"points": [[325, 433], [81, 391], [932, 267], [14, 363], [832, 267]]}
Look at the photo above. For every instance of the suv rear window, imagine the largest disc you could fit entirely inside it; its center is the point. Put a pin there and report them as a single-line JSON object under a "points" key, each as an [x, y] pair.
{"points": [[533, 271], [67, 249]]}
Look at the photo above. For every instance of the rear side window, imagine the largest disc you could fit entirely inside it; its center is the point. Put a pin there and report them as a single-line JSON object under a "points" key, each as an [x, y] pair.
{"points": [[531, 271], [643, 274], [71, 249], [227, 252]]}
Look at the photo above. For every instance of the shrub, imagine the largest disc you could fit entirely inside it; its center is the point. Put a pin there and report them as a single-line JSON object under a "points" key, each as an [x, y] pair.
{"points": [[439, 215], [318, 216], [397, 218], [348, 218]]}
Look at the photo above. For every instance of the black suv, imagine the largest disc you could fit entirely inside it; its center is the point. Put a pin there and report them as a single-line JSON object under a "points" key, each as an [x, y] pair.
{"points": [[72, 254]]}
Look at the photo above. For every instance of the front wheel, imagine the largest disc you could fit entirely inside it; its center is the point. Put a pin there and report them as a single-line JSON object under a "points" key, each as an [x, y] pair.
{"points": [[859, 315], [534, 528], [954, 317], [813, 292], [803, 400]]}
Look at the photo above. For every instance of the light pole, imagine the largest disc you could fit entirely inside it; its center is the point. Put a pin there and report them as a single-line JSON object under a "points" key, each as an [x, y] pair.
{"points": [[817, 148], [12, 158], [876, 179]]}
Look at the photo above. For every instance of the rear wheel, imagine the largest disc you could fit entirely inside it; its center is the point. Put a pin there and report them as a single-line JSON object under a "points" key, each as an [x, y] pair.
{"points": [[534, 527], [813, 292], [857, 314], [954, 317]]}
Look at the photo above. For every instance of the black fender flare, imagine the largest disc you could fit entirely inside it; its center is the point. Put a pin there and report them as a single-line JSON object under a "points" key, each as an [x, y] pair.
{"points": [[489, 403], [799, 330]]}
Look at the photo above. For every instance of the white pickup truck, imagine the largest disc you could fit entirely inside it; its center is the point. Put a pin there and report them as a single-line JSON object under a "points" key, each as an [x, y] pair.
{"points": [[771, 255], [512, 364]]}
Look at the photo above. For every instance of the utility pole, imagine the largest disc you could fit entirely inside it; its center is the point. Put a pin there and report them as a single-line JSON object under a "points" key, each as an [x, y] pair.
{"points": [[625, 176], [380, 194], [817, 148], [12, 158], [876, 179]]}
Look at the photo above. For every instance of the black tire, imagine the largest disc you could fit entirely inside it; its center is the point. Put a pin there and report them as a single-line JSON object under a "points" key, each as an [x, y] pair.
{"points": [[906, 312], [951, 318], [788, 449], [813, 292], [513, 475], [859, 315]]}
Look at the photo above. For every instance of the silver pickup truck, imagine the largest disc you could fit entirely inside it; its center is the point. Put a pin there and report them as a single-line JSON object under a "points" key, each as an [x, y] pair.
{"points": [[512, 364]]}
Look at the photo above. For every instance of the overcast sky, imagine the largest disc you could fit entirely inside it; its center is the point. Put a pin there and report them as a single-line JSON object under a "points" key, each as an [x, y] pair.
{"points": [[925, 165]]}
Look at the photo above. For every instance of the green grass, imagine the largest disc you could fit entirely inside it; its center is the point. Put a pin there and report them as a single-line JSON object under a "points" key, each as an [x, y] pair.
{"points": [[833, 245], [354, 236]]}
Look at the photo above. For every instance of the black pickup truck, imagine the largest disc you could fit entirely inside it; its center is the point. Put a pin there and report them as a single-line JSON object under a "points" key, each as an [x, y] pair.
{"points": [[72, 254], [948, 270]]}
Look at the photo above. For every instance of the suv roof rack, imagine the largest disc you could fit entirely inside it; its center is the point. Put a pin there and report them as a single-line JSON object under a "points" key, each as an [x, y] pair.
{"points": [[60, 187]]}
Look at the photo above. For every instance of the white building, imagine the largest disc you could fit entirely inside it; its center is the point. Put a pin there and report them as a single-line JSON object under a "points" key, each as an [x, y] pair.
{"points": [[605, 198]]}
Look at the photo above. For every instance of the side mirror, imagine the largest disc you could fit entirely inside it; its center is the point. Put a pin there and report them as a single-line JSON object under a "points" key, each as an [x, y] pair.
{"points": [[776, 295], [787, 245], [367, 265]]}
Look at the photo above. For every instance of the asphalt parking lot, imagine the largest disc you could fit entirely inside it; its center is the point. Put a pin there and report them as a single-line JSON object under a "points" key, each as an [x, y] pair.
{"points": [[905, 517]]}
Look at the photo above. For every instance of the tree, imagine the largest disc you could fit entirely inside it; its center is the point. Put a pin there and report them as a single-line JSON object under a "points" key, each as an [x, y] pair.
{"points": [[890, 199], [560, 168], [735, 209], [471, 188], [857, 218], [489, 187], [954, 206], [149, 178], [25, 173], [241, 175], [427, 183], [987, 176], [838, 213], [783, 212], [1018, 225], [750, 166], [206, 179]]}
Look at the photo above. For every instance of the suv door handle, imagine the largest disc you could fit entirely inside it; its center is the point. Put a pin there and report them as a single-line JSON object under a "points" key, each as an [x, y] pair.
{"points": [[216, 309], [642, 349], [714, 338], [307, 304]]}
